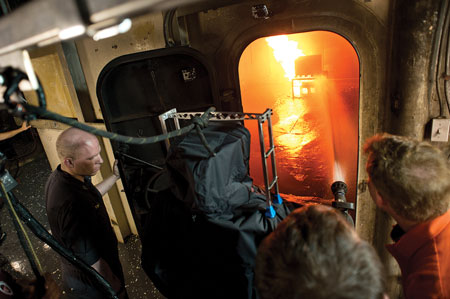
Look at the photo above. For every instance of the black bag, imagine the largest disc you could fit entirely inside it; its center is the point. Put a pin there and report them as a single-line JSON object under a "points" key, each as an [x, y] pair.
{"points": [[206, 223]]}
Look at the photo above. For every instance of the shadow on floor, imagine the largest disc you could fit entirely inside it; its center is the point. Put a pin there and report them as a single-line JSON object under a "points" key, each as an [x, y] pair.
{"points": [[30, 192]]}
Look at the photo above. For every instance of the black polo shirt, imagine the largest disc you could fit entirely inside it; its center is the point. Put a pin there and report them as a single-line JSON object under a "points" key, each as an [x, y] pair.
{"points": [[79, 221]]}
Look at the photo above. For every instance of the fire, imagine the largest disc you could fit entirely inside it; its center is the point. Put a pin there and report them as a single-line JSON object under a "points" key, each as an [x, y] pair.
{"points": [[311, 81], [295, 130], [292, 131], [285, 52]]}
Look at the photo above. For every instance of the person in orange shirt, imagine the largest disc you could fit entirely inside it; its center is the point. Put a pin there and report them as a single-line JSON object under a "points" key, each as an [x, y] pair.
{"points": [[410, 180]]}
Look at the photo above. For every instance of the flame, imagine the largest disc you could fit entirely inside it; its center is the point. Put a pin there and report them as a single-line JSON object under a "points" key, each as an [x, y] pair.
{"points": [[285, 52], [315, 119], [293, 131]]}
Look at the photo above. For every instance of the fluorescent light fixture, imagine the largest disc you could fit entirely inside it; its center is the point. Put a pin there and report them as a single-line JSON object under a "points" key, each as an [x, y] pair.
{"points": [[72, 32], [123, 27], [29, 70]]}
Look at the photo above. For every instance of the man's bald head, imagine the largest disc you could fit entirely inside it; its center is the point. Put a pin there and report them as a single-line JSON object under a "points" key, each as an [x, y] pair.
{"points": [[70, 141]]}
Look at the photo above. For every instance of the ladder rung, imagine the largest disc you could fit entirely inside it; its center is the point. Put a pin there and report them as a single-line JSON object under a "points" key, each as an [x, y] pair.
{"points": [[275, 179], [269, 152]]}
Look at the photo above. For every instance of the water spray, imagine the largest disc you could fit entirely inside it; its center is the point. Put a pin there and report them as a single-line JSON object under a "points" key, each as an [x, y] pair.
{"points": [[340, 202]]}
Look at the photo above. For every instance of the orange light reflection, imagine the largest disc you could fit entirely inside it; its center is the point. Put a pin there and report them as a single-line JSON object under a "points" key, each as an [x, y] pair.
{"points": [[316, 130], [292, 132]]}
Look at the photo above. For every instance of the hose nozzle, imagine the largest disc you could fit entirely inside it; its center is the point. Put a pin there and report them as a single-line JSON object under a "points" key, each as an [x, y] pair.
{"points": [[339, 190]]}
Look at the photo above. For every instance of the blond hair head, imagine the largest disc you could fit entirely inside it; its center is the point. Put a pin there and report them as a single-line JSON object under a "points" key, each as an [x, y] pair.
{"points": [[412, 176]]}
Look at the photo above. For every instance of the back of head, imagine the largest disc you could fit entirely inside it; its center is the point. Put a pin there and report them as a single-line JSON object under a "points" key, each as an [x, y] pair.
{"points": [[315, 253], [412, 176]]}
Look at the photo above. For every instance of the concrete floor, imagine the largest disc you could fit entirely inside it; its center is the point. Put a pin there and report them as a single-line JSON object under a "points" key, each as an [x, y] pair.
{"points": [[31, 177]]}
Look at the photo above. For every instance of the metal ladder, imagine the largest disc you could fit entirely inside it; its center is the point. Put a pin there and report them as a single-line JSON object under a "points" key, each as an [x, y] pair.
{"points": [[240, 116]]}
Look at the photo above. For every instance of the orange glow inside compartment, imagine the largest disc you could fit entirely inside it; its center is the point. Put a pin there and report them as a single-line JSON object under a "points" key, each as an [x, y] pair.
{"points": [[311, 81]]}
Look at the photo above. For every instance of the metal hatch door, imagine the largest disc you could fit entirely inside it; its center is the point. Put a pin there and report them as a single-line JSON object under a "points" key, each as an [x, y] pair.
{"points": [[133, 90]]}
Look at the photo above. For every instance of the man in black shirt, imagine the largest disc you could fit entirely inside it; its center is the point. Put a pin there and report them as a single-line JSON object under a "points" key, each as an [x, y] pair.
{"points": [[78, 217]]}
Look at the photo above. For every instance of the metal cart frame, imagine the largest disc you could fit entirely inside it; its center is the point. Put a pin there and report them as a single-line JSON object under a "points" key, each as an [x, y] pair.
{"points": [[262, 118]]}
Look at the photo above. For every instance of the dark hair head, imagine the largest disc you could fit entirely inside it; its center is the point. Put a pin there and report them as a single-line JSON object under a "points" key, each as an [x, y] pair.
{"points": [[315, 253]]}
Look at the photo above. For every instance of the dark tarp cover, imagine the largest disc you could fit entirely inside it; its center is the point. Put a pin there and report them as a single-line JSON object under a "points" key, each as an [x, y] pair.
{"points": [[205, 226]]}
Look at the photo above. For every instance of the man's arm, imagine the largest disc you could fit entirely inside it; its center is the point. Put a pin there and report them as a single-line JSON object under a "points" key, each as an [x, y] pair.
{"points": [[107, 183], [12, 133]]}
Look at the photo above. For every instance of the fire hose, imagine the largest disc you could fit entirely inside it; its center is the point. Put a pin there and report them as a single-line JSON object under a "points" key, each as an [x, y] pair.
{"points": [[19, 212], [12, 77]]}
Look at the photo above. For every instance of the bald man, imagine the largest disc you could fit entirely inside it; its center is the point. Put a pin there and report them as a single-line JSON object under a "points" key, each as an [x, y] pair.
{"points": [[77, 215]]}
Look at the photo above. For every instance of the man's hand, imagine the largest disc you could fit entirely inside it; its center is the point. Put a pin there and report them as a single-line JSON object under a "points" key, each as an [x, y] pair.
{"points": [[25, 126], [116, 169], [106, 184]]}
